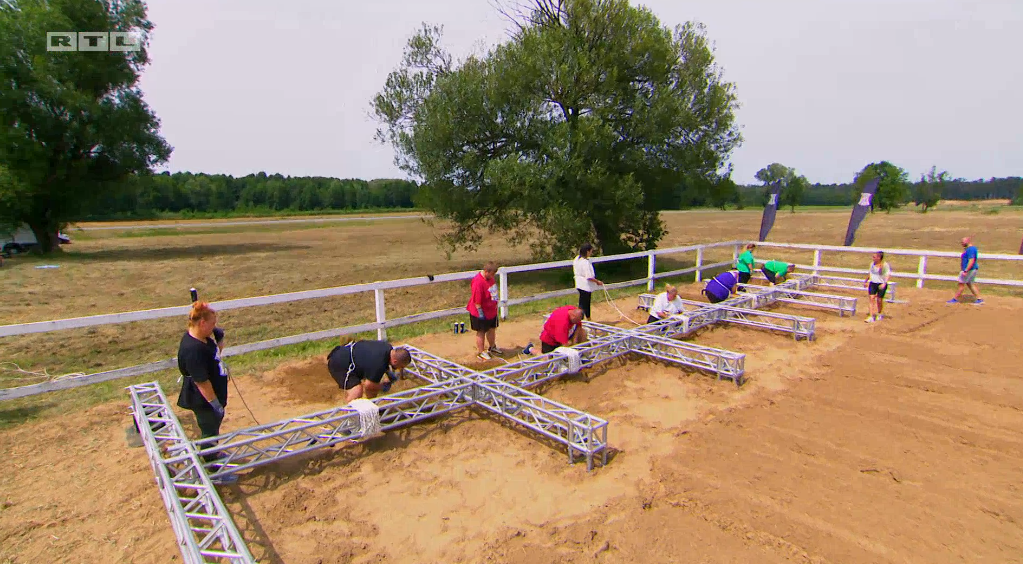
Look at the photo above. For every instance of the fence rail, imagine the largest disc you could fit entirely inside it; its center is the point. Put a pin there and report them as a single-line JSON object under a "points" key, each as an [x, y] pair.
{"points": [[505, 301]]}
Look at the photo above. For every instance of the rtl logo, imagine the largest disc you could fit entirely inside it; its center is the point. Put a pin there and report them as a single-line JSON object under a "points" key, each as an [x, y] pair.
{"points": [[92, 41]]}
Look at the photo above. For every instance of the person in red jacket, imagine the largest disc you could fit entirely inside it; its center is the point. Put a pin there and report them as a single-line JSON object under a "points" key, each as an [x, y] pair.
{"points": [[482, 308], [563, 328]]}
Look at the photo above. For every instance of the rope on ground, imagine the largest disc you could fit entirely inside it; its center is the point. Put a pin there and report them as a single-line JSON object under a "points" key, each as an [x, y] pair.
{"points": [[239, 392], [614, 305], [30, 374]]}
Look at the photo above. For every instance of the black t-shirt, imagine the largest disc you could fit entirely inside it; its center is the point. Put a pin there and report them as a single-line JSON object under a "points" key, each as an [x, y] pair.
{"points": [[372, 359], [199, 361]]}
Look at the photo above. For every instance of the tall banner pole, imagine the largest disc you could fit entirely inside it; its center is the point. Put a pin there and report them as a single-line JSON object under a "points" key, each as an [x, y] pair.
{"points": [[770, 210], [860, 209]]}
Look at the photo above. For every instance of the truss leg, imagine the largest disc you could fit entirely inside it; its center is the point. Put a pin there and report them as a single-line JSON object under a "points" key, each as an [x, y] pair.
{"points": [[201, 523]]}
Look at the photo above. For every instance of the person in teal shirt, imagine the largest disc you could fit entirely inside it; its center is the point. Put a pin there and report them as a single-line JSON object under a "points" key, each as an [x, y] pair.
{"points": [[776, 271], [745, 264]]}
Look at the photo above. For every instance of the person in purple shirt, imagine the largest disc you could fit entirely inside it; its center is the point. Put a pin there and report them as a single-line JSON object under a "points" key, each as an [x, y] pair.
{"points": [[722, 286], [968, 272]]}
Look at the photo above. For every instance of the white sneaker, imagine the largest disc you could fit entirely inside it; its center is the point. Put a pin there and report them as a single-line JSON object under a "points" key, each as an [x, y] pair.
{"points": [[484, 356], [494, 350], [869, 319], [880, 317]]}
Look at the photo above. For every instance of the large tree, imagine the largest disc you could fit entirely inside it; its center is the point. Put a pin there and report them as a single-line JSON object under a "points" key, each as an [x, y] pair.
{"points": [[72, 124], [892, 190], [793, 186], [573, 130]]}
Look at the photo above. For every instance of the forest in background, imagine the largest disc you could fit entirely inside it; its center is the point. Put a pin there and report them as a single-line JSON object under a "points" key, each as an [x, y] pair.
{"points": [[149, 196]]}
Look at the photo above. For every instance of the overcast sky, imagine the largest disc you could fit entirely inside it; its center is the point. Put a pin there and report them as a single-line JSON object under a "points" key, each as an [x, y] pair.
{"points": [[826, 86]]}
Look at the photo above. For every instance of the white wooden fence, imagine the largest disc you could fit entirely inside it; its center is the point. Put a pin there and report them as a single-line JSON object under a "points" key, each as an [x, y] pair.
{"points": [[506, 301]]}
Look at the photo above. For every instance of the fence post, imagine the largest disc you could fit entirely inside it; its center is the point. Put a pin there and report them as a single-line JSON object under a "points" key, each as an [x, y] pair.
{"points": [[651, 268], [378, 296], [816, 261], [921, 271], [735, 254], [502, 278], [699, 262]]}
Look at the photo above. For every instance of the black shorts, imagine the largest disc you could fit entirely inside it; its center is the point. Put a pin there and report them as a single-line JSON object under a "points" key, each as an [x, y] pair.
{"points": [[714, 299], [875, 289], [770, 275], [338, 362], [545, 348], [477, 324], [744, 277], [652, 319]]}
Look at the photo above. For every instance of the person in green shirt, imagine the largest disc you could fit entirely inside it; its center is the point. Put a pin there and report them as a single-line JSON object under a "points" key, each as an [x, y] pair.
{"points": [[776, 271], [746, 263]]}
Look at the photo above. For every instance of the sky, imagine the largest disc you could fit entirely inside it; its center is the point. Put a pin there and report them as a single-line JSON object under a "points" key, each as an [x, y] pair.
{"points": [[825, 86]]}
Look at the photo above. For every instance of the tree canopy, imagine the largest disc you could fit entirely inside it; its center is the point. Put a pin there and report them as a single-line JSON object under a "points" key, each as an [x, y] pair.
{"points": [[71, 123], [927, 192], [574, 130], [892, 190], [793, 186]]}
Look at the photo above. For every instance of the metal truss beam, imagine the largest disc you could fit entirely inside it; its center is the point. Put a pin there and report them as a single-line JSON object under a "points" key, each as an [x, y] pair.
{"points": [[753, 298], [264, 444], [841, 304], [507, 396], [798, 326], [720, 362], [201, 523], [854, 284]]}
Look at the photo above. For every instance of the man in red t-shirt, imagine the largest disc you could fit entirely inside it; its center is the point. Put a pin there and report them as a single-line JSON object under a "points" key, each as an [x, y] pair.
{"points": [[482, 308], [563, 328]]}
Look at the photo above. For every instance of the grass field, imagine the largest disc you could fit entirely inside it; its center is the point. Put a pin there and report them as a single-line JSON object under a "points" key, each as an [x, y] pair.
{"points": [[890, 443], [113, 270]]}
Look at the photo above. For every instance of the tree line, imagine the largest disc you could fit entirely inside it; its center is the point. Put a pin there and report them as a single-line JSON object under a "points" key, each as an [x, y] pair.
{"points": [[146, 195], [894, 190]]}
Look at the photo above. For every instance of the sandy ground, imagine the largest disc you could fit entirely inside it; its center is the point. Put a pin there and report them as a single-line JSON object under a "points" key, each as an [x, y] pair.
{"points": [[895, 442]]}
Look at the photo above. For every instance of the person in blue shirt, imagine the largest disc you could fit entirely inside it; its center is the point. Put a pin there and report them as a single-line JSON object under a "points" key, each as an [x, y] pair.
{"points": [[968, 273], [722, 286]]}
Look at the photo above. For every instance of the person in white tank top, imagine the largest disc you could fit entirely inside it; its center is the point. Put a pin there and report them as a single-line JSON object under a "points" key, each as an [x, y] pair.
{"points": [[585, 278], [878, 275]]}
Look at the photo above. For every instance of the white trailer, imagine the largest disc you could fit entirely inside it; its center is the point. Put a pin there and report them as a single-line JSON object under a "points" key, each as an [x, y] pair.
{"points": [[22, 240]]}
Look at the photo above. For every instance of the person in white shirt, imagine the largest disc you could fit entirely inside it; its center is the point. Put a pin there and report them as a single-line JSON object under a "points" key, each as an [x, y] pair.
{"points": [[877, 284], [585, 278], [666, 303]]}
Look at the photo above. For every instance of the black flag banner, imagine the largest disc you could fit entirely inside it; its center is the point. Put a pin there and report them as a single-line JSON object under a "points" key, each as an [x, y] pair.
{"points": [[770, 210], [860, 210]]}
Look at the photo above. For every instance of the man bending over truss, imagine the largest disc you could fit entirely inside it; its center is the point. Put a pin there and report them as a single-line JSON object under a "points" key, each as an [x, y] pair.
{"points": [[563, 328], [776, 271], [666, 303], [359, 367]]}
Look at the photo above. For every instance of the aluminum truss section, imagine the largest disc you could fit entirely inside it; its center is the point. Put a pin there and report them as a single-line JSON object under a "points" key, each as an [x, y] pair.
{"points": [[201, 523], [798, 326], [432, 368], [725, 364], [854, 284], [581, 432], [539, 369], [264, 444], [841, 304], [722, 363]]}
